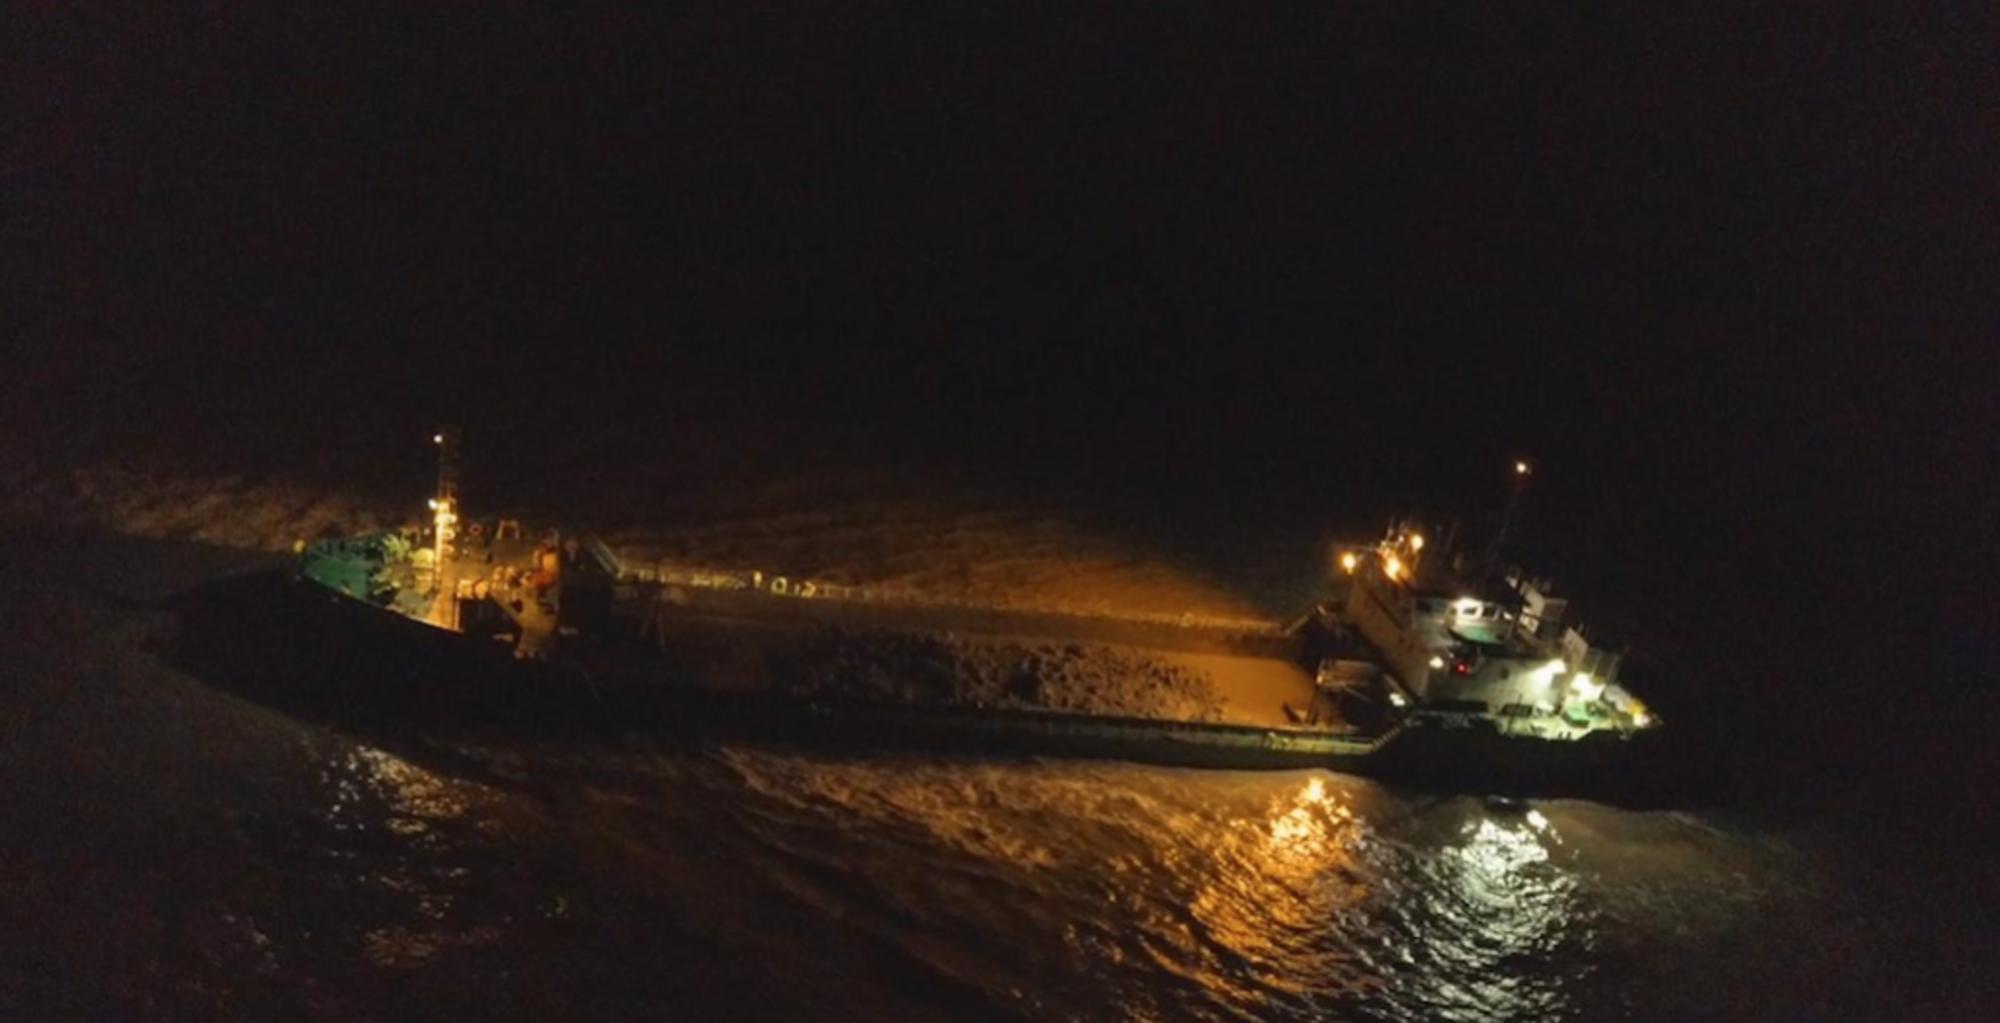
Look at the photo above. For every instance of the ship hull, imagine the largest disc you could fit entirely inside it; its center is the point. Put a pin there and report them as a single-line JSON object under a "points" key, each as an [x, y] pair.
{"points": [[299, 645], [1619, 766]]}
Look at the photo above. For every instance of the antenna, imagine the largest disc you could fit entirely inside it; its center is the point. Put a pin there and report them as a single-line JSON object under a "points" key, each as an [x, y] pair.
{"points": [[444, 507], [446, 440], [1522, 470]]}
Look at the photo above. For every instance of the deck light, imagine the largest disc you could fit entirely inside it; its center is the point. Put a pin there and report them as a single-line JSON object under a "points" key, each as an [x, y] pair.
{"points": [[1392, 566], [1436, 661], [1585, 687], [1542, 677], [437, 438], [1348, 561], [1416, 541]]}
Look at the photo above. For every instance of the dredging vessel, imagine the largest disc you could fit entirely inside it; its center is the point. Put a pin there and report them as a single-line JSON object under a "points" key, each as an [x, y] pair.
{"points": [[1404, 669]]}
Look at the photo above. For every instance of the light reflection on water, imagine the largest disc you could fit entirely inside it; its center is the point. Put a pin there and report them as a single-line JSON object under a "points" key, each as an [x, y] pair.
{"points": [[1066, 890], [399, 812], [1495, 923], [1258, 894], [415, 798], [1275, 884]]}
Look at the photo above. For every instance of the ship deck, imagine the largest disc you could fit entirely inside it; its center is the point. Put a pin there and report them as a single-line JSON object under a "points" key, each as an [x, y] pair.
{"points": [[1256, 673]]}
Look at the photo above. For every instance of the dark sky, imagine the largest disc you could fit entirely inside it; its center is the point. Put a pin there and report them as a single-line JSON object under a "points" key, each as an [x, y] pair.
{"points": [[1727, 277]]}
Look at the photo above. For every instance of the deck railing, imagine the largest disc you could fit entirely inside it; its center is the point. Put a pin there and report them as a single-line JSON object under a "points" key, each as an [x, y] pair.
{"points": [[670, 573]]}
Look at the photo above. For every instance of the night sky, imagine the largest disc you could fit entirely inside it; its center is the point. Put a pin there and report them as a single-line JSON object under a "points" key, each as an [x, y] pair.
{"points": [[1728, 279]]}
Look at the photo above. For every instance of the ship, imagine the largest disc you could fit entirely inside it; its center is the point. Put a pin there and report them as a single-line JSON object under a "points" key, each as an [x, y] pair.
{"points": [[1406, 670], [1498, 681]]}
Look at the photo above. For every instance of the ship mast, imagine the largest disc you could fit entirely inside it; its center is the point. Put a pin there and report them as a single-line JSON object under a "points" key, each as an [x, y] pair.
{"points": [[444, 506], [1522, 470]]}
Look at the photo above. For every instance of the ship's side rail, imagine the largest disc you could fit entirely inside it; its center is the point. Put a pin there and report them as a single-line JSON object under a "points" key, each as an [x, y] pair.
{"points": [[671, 573], [971, 731], [661, 604], [1095, 726]]}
